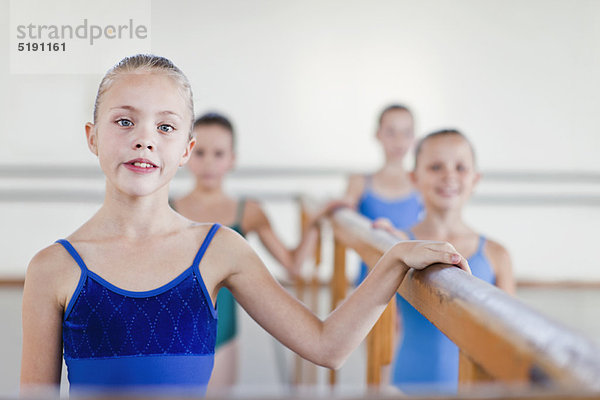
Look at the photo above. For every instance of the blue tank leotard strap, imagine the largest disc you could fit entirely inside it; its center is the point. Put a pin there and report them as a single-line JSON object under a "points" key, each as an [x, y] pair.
{"points": [[84, 272], [67, 245], [120, 339], [426, 361], [211, 233]]}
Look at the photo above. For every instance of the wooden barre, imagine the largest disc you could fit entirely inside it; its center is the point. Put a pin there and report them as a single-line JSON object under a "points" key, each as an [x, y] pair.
{"points": [[504, 339]]}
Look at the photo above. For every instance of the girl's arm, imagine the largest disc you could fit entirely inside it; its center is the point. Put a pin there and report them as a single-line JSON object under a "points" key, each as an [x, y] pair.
{"points": [[502, 264], [41, 360], [290, 259], [355, 189], [329, 342]]}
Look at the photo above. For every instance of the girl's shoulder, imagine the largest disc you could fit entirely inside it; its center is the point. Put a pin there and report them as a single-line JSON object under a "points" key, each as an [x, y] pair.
{"points": [[52, 271], [253, 217], [356, 186], [250, 205], [51, 260], [358, 180], [222, 237], [227, 249], [501, 263], [495, 249], [498, 255]]}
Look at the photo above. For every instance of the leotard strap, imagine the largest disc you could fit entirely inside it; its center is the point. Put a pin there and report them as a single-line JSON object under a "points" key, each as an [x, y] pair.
{"points": [[482, 241], [368, 182], [207, 240], [69, 247]]}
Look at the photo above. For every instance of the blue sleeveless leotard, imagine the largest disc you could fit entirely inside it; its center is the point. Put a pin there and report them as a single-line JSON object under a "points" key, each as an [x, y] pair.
{"points": [[426, 361], [120, 339], [403, 212]]}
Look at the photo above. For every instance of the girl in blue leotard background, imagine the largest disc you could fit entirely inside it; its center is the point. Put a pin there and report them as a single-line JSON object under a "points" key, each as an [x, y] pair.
{"points": [[388, 193], [445, 173], [128, 298]]}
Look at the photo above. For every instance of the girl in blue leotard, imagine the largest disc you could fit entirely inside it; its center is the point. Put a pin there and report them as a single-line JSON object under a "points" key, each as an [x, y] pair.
{"points": [[388, 193], [213, 157], [128, 298], [445, 173]]}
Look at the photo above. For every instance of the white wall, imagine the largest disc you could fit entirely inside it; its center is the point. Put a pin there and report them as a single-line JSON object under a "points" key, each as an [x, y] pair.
{"points": [[304, 81], [308, 77]]}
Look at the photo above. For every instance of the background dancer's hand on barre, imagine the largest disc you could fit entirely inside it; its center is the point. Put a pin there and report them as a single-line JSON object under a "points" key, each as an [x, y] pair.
{"points": [[326, 211], [386, 225]]}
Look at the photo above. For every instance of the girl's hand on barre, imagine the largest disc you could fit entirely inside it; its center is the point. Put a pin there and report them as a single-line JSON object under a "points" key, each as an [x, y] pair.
{"points": [[419, 254], [334, 205], [386, 225], [328, 209]]}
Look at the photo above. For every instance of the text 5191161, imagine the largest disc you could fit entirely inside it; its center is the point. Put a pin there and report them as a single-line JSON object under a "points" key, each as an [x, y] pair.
{"points": [[42, 46]]}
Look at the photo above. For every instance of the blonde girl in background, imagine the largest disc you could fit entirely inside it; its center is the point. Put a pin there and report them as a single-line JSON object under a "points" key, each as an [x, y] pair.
{"points": [[445, 174]]}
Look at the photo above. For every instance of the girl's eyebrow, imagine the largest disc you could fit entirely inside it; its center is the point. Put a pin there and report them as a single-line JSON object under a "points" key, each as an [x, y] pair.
{"points": [[132, 108], [168, 112]]}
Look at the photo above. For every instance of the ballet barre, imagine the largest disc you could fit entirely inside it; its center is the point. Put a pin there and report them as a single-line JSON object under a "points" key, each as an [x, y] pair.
{"points": [[501, 340]]}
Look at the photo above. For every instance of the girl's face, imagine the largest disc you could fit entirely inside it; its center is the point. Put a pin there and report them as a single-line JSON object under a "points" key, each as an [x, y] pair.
{"points": [[445, 173], [141, 135], [396, 133], [212, 157]]}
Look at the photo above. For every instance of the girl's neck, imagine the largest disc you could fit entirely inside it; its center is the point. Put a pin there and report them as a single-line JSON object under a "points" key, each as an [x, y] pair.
{"points": [[393, 167], [137, 217], [442, 224], [205, 194]]}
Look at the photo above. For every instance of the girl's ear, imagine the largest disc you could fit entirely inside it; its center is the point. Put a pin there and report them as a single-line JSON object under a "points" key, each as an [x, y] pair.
{"points": [[413, 177], [188, 152], [476, 178], [92, 138], [233, 161]]}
